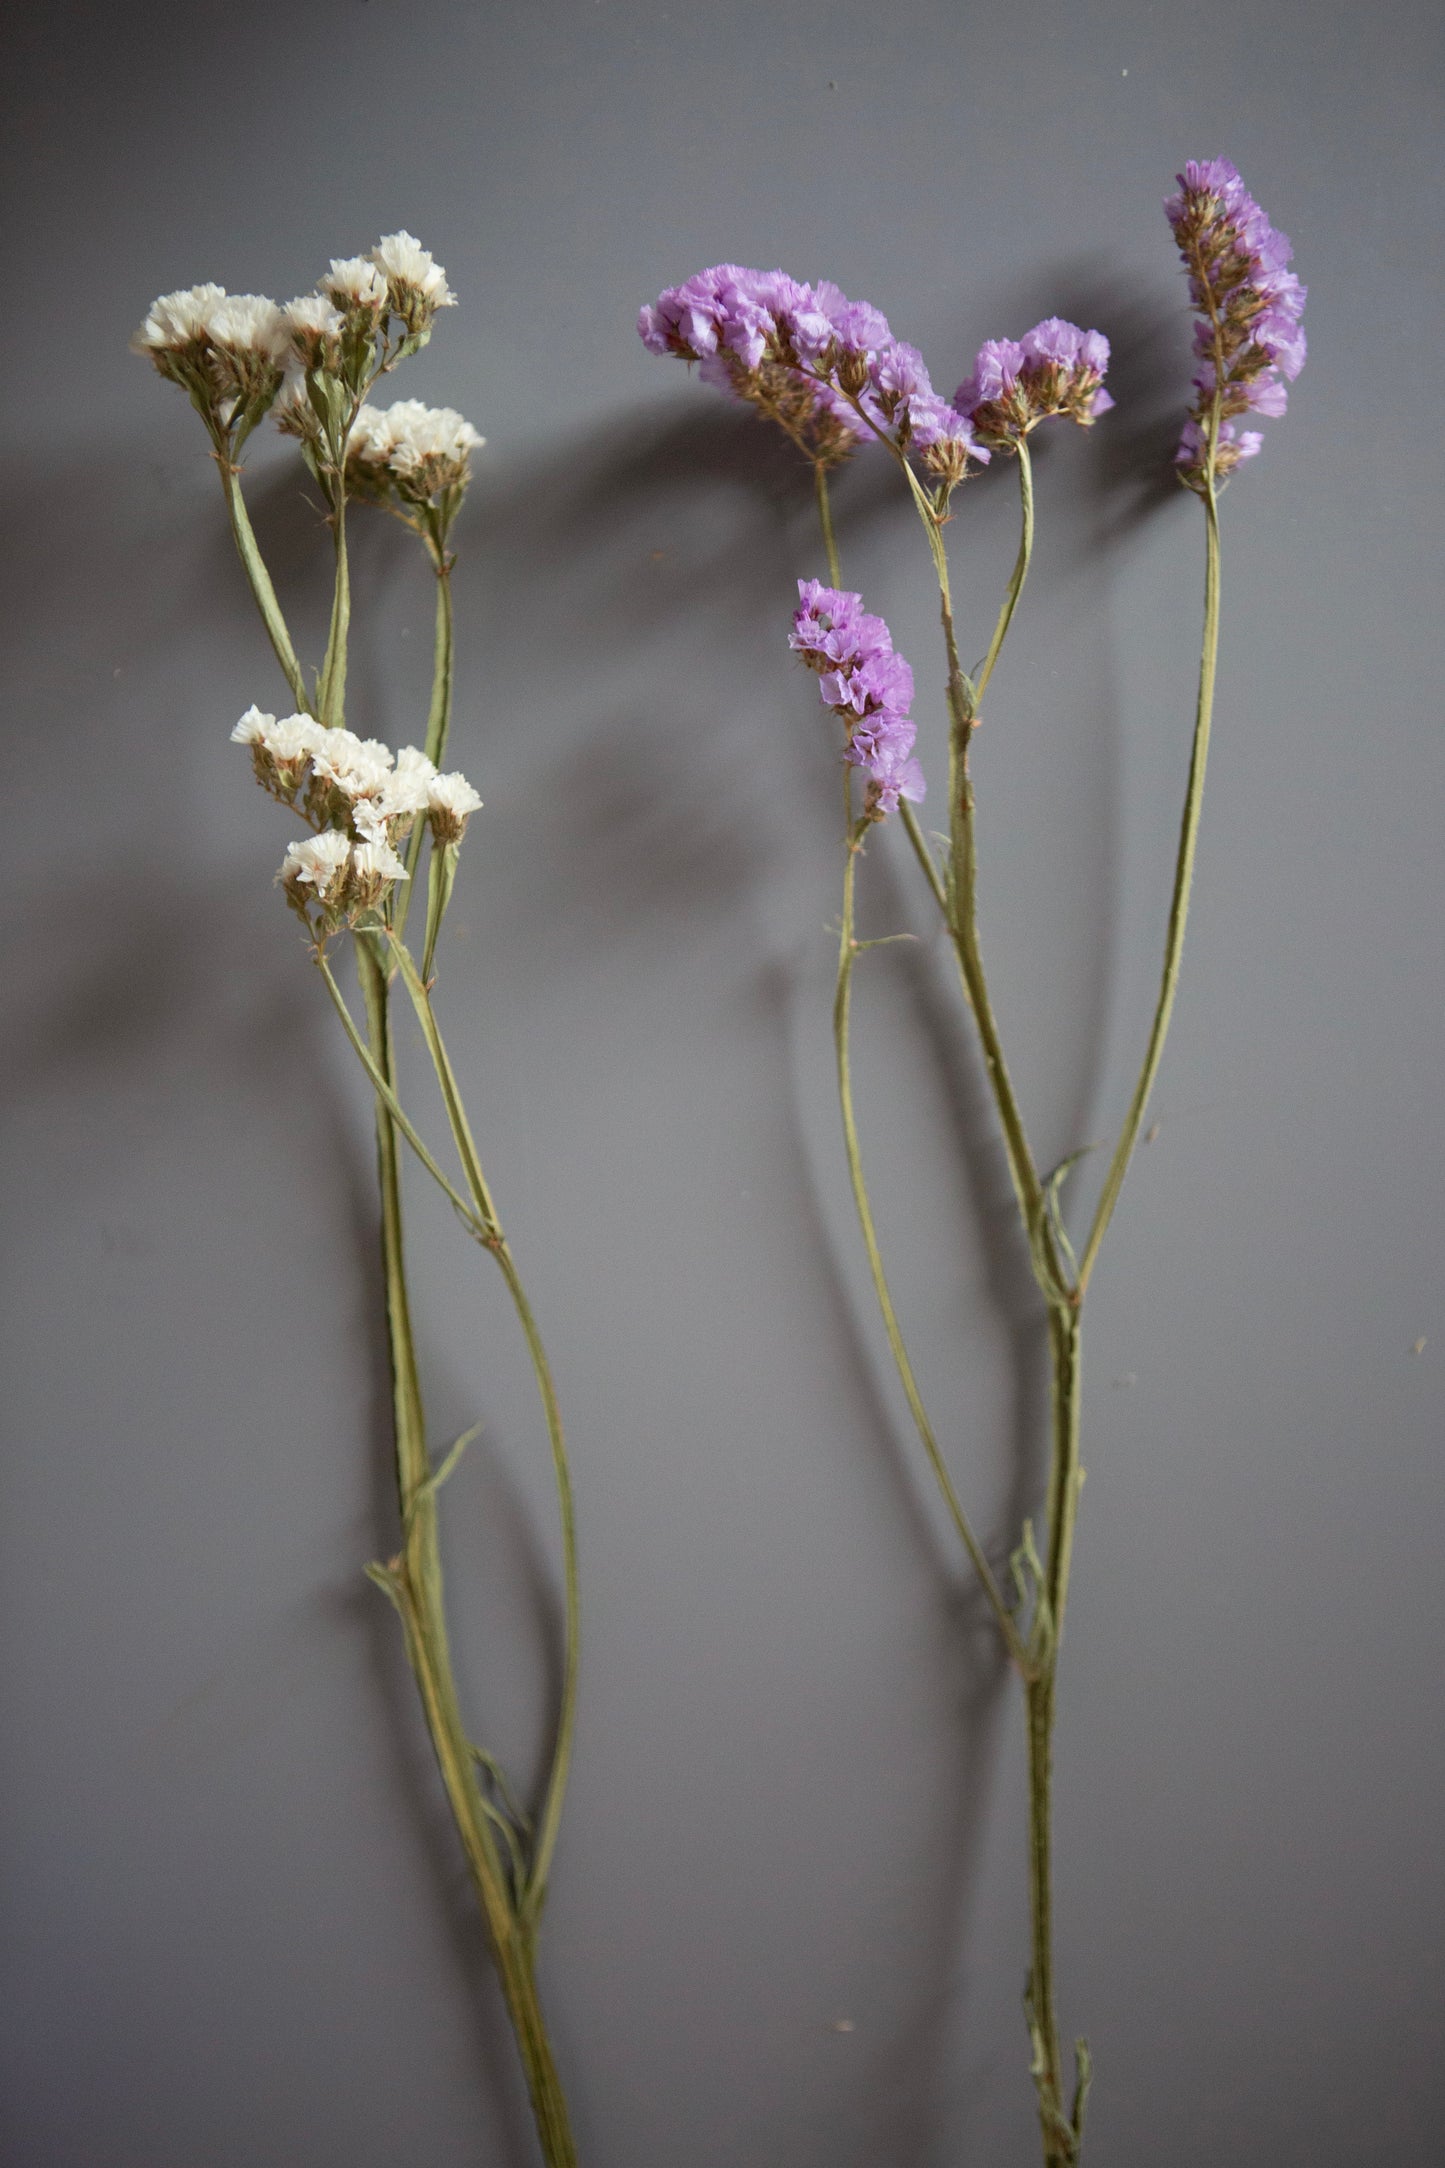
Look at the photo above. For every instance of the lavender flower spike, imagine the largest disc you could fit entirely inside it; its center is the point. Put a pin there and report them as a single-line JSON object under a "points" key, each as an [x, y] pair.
{"points": [[1249, 337], [864, 681]]}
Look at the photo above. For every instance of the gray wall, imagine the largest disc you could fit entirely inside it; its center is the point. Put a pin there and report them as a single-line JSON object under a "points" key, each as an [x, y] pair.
{"points": [[236, 1930]]}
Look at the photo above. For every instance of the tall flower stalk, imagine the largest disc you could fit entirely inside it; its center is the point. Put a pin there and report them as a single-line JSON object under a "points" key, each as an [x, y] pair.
{"points": [[831, 371], [369, 815]]}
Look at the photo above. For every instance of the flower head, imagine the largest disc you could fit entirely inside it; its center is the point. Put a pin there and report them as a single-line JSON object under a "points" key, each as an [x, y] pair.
{"points": [[226, 350], [1054, 369], [863, 680], [416, 285], [451, 802], [280, 751], [1249, 338], [828, 370], [418, 453]]}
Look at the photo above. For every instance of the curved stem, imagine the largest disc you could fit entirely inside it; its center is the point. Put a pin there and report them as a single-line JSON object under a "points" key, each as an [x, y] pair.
{"points": [[248, 550], [842, 1001], [1183, 880], [1020, 570]]}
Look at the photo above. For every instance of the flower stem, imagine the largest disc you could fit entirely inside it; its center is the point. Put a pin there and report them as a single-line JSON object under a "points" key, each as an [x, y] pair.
{"points": [[842, 1003], [248, 550], [413, 1580], [1183, 880], [535, 1893]]}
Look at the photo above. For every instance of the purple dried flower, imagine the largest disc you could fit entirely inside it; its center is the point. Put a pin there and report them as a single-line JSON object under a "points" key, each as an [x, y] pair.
{"points": [[828, 370], [1249, 302], [862, 680], [1054, 369]]}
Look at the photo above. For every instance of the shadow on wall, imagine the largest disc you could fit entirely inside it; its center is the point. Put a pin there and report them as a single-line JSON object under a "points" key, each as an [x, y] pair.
{"points": [[631, 698]]}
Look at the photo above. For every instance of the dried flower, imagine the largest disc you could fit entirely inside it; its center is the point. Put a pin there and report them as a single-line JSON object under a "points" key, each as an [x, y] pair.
{"points": [[316, 325], [416, 285], [1249, 337], [451, 802], [357, 287], [316, 870], [864, 681], [1016, 383], [418, 453], [280, 751], [226, 350]]}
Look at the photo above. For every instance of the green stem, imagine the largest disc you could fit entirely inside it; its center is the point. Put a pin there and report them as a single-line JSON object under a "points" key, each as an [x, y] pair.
{"points": [[825, 521], [1179, 901], [1020, 571], [842, 1003], [394, 1108], [414, 1581], [248, 550], [333, 670], [496, 1242], [438, 722]]}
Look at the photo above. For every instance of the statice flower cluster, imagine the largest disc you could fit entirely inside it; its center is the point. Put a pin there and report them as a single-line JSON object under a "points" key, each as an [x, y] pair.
{"points": [[1054, 369], [235, 352], [416, 453], [862, 680], [1250, 338], [361, 801], [827, 369]]}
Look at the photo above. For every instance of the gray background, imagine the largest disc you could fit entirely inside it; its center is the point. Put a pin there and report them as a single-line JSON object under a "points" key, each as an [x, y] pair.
{"points": [[235, 1925]]}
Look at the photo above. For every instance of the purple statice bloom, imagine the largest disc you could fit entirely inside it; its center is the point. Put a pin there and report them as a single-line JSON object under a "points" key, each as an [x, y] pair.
{"points": [[867, 684], [827, 369], [1056, 368], [1249, 303], [893, 774]]}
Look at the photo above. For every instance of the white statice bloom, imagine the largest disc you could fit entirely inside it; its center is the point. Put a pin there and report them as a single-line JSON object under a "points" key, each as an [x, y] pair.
{"points": [[359, 767], [412, 763], [423, 449], [373, 865], [250, 325], [453, 794], [294, 738], [354, 282], [370, 439], [177, 320], [292, 411], [253, 726], [314, 324], [318, 862], [451, 802], [412, 270]]}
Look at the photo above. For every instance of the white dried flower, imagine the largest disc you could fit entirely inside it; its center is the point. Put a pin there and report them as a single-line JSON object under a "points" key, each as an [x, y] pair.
{"points": [[320, 863], [413, 275], [177, 320], [249, 327], [315, 325], [252, 728], [374, 867], [358, 767], [280, 750], [421, 450], [413, 763], [451, 802], [354, 282], [292, 411]]}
